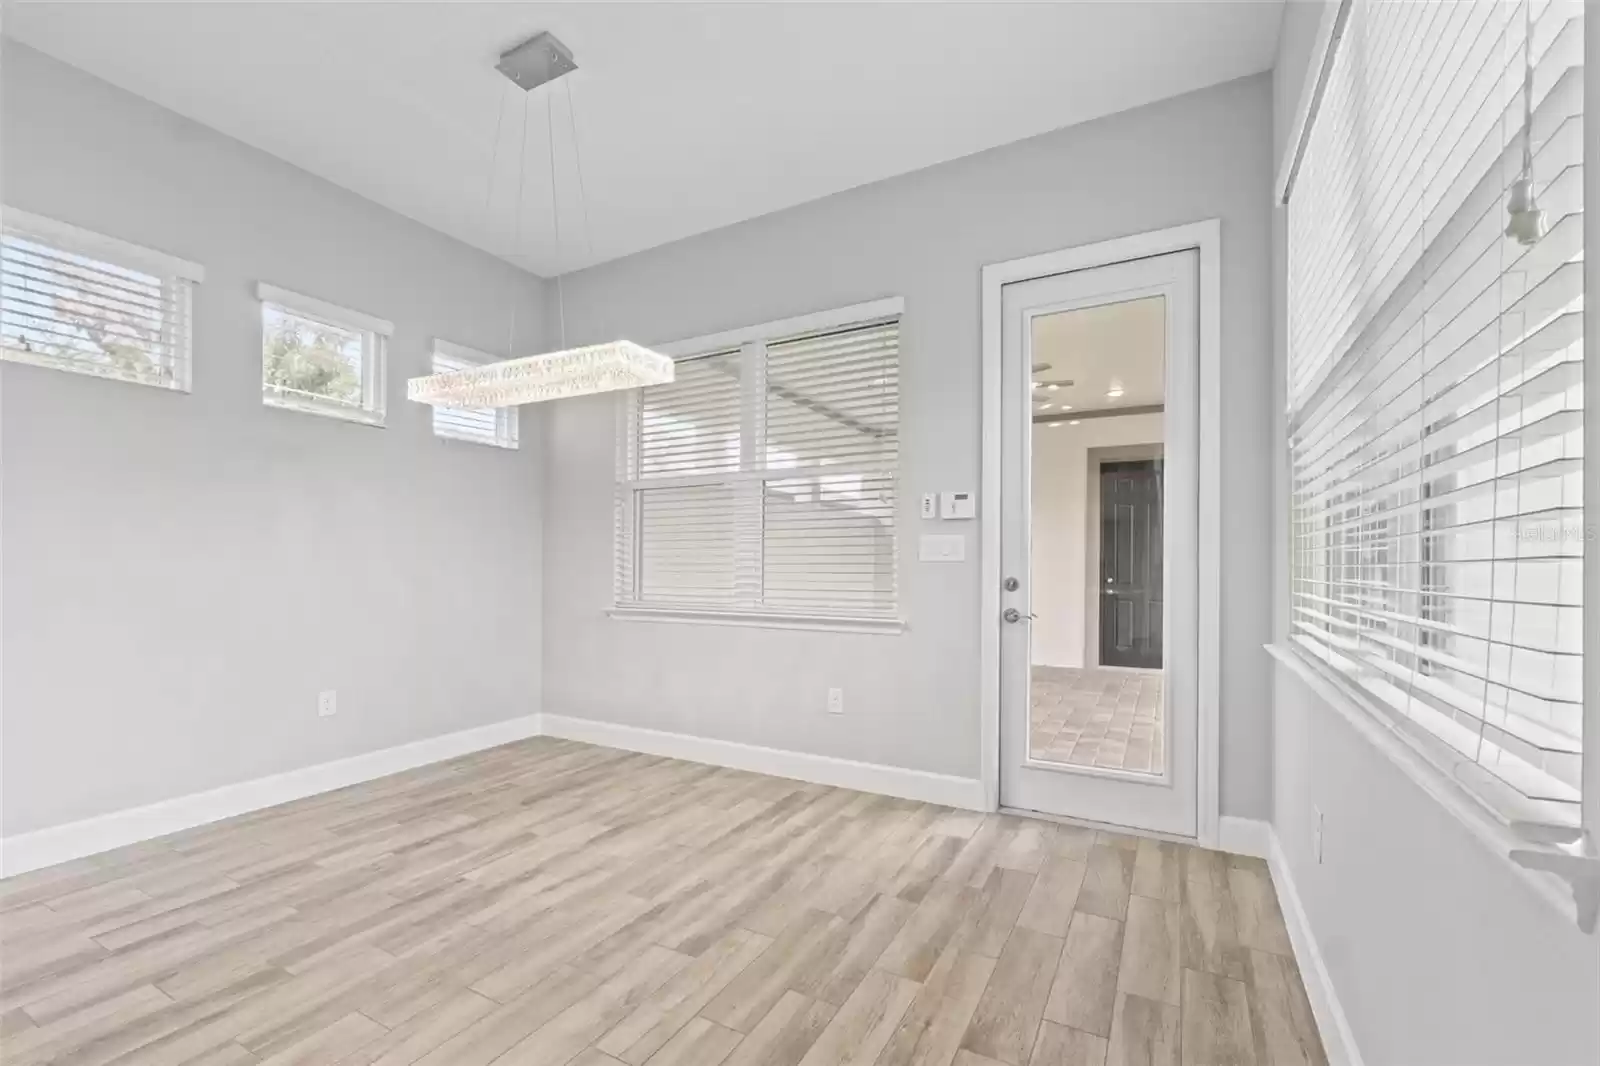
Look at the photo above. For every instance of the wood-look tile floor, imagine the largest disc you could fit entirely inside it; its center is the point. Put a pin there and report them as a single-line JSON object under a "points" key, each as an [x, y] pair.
{"points": [[556, 903]]}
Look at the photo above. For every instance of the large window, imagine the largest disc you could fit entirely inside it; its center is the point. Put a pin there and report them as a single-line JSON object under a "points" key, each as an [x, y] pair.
{"points": [[1436, 381], [79, 301], [322, 359], [761, 482]]}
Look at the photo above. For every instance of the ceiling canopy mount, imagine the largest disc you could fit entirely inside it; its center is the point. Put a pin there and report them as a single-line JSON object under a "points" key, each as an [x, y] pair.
{"points": [[540, 59]]}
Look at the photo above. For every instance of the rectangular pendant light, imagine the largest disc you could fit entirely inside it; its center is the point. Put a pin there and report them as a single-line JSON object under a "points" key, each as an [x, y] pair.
{"points": [[552, 376]]}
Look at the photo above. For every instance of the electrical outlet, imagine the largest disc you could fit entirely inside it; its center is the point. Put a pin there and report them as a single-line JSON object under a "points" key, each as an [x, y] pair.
{"points": [[1316, 834], [836, 701], [327, 703]]}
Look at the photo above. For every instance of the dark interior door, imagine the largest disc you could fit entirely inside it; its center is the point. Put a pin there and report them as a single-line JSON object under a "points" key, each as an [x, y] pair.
{"points": [[1130, 563]]}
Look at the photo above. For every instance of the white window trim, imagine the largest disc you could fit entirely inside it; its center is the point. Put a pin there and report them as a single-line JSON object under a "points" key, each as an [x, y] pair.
{"points": [[310, 305], [120, 252], [757, 619], [374, 378], [818, 320], [1580, 875], [506, 428], [735, 338]]}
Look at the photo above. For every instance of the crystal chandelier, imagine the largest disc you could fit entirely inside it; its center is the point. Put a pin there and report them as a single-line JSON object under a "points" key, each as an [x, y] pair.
{"points": [[556, 375], [553, 376]]}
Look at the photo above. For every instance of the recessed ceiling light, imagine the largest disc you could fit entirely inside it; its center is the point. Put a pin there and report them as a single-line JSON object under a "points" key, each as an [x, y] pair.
{"points": [[1051, 425], [1046, 406], [1035, 384], [1066, 407], [1073, 422], [1113, 393], [1052, 387]]}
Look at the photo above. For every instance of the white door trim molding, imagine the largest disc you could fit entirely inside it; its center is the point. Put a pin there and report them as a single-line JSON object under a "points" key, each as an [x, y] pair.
{"points": [[1206, 237]]}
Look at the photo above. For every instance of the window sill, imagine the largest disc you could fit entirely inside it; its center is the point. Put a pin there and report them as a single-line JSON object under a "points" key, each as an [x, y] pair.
{"points": [[1517, 851], [757, 620], [342, 414], [9, 354]]}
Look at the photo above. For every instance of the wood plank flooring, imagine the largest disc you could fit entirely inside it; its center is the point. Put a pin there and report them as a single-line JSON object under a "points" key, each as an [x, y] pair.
{"points": [[559, 904]]}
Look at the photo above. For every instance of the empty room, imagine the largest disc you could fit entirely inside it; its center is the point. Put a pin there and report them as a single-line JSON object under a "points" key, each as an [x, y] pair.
{"points": [[796, 534]]}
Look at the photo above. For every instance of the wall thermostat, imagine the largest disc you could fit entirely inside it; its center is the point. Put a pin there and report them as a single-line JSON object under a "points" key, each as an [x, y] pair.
{"points": [[957, 505]]}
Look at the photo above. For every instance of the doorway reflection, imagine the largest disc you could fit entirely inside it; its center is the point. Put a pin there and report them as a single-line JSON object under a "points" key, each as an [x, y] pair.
{"points": [[1098, 395]]}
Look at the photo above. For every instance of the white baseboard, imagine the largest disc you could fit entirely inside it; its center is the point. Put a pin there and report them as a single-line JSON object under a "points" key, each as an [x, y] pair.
{"points": [[1244, 836], [920, 785], [1337, 1040], [74, 840], [91, 836]]}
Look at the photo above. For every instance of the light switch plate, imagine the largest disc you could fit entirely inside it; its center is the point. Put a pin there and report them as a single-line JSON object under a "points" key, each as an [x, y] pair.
{"points": [[957, 505], [942, 548], [930, 505]]}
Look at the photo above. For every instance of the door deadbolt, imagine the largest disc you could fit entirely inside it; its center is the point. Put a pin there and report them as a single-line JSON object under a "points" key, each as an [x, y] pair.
{"points": [[1012, 584]]}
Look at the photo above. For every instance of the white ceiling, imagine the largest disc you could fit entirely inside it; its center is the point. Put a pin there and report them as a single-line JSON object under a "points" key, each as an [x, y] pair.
{"points": [[1093, 350], [690, 116]]}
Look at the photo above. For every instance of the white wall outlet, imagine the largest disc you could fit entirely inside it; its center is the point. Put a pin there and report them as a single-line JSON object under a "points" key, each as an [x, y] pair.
{"points": [[1316, 834], [327, 703], [930, 505], [836, 701]]}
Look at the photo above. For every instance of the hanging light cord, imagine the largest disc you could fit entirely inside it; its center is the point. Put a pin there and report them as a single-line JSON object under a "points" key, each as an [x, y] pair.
{"points": [[522, 172], [577, 151], [1527, 90], [555, 213], [555, 199], [583, 196]]}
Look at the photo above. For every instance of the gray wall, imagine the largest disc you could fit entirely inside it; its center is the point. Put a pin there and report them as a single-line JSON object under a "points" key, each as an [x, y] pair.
{"points": [[183, 573], [1439, 954], [912, 699]]}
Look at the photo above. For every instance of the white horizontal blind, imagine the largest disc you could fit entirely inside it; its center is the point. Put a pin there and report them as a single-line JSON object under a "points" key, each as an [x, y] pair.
{"points": [[1436, 390], [833, 411], [494, 426], [762, 480], [692, 523], [74, 300], [691, 426]]}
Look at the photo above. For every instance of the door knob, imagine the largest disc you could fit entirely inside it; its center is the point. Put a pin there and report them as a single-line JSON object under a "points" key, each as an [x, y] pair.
{"points": [[1011, 614]]}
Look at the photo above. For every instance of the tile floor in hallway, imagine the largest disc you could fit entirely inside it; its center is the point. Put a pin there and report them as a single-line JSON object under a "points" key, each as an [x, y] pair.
{"points": [[559, 904], [1111, 719]]}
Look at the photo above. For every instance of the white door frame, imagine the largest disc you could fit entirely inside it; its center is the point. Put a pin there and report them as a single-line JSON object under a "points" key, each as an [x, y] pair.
{"points": [[1206, 237]]}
